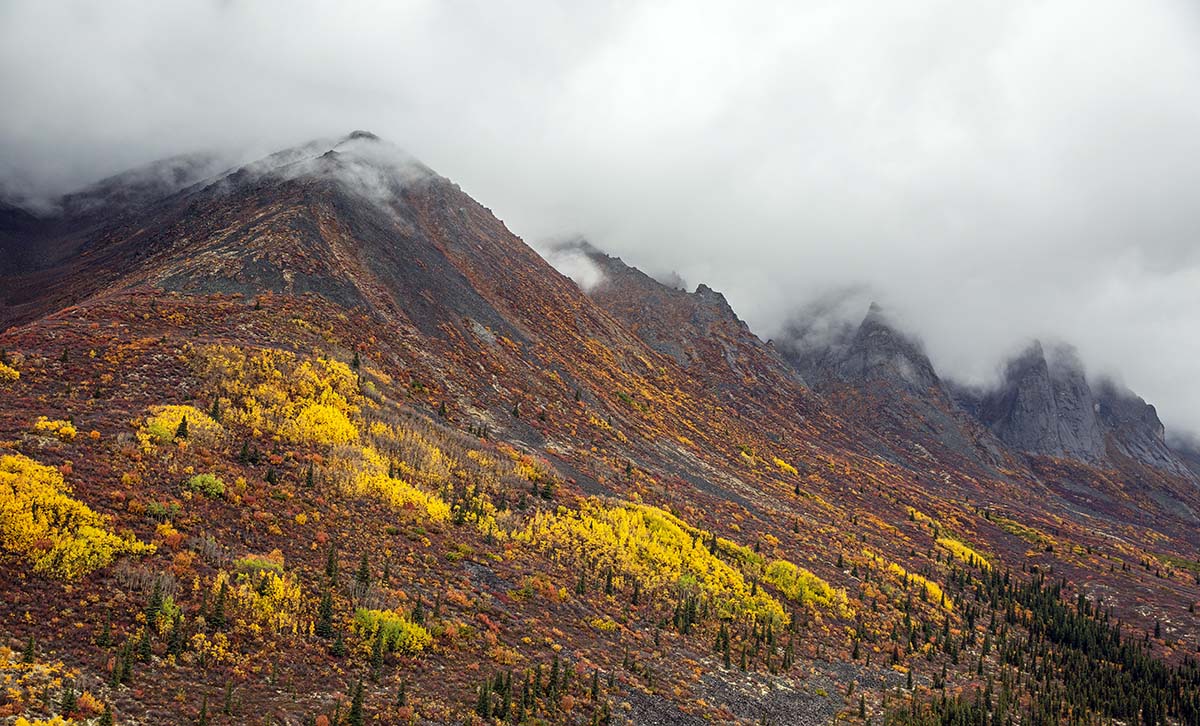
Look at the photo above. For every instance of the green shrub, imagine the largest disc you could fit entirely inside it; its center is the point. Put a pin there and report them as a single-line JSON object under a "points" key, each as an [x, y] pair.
{"points": [[207, 484]]}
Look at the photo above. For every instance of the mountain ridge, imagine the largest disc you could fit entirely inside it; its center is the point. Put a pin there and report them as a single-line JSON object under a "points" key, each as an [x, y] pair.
{"points": [[339, 397]]}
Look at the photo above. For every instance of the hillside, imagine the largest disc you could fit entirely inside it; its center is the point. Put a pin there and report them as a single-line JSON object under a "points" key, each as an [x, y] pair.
{"points": [[319, 440]]}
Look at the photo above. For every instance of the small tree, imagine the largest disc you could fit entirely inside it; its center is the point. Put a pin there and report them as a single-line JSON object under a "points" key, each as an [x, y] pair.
{"points": [[106, 718], [218, 615], [324, 626], [331, 565], [182, 431], [70, 701], [355, 717], [363, 577]]}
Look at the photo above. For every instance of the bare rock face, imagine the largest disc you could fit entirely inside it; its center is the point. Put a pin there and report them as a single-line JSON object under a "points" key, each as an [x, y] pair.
{"points": [[1045, 406], [699, 330], [1135, 429], [879, 351]]}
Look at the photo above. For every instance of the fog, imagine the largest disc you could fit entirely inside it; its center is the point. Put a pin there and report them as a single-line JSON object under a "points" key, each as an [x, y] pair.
{"points": [[989, 171]]}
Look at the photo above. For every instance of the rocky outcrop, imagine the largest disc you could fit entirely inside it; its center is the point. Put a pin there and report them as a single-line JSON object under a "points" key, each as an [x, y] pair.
{"points": [[879, 351], [1045, 406], [1134, 429], [699, 330]]}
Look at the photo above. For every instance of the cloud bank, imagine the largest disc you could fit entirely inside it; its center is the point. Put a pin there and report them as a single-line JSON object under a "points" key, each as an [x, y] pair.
{"points": [[990, 171]]}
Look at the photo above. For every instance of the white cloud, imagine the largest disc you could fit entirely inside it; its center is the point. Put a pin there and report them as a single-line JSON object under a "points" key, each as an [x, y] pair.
{"points": [[992, 170]]}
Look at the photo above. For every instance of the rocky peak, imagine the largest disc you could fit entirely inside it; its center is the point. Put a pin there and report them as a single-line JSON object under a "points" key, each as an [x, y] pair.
{"points": [[1045, 406], [879, 351], [700, 330], [1135, 429]]}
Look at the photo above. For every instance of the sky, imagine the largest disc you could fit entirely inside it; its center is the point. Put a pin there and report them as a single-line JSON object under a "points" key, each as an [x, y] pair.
{"points": [[988, 171]]}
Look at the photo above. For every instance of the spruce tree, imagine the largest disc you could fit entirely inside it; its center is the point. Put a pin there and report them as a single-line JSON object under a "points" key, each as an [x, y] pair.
{"points": [[355, 717], [324, 626], [218, 614], [363, 577], [331, 565], [106, 717], [70, 702], [182, 431]]}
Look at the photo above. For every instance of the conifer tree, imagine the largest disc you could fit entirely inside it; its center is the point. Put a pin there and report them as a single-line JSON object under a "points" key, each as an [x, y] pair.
{"points": [[182, 431], [324, 626], [363, 577], [338, 649], [331, 565], [355, 716], [70, 702]]}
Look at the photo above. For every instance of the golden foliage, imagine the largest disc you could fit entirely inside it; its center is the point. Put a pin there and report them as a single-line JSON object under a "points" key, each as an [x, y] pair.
{"points": [[40, 521], [652, 546], [64, 430], [365, 472], [964, 553], [321, 424], [160, 426], [803, 587], [8, 374], [932, 589], [303, 400], [399, 633], [784, 466], [263, 598]]}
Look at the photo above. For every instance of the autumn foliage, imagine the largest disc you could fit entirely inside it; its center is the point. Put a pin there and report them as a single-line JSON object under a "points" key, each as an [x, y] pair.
{"points": [[40, 522]]}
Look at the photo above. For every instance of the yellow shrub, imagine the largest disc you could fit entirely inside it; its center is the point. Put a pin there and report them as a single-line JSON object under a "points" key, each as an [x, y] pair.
{"points": [[64, 430], [263, 598], [965, 553], [399, 633], [785, 467], [163, 422], [270, 390], [8, 374], [802, 586], [652, 546], [932, 589], [39, 521], [365, 473], [321, 424]]}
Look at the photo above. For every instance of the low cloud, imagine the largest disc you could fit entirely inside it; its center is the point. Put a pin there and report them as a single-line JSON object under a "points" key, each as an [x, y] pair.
{"points": [[990, 171]]}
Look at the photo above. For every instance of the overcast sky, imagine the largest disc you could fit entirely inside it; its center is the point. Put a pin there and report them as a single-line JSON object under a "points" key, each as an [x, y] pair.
{"points": [[989, 171]]}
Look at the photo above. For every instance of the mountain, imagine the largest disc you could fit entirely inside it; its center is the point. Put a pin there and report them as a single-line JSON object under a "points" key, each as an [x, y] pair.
{"points": [[881, 376], [698, 330], [1046, 407], [319, 430]]}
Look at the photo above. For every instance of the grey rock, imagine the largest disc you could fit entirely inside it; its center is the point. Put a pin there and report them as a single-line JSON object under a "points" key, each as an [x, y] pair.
{"points": [[1045, 406]]}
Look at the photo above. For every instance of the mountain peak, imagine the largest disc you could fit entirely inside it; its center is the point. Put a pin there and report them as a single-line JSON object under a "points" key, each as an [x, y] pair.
{"points": [[360, 134], [1045, 405]]}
